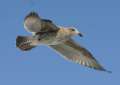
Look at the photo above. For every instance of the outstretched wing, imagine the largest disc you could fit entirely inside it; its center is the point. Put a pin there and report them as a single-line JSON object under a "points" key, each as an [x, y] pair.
{"points": [[74, 52], [33, 23]]}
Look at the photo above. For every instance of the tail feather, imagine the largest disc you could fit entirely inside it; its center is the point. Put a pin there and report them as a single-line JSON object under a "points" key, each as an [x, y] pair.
{"points": [[24, 43]]}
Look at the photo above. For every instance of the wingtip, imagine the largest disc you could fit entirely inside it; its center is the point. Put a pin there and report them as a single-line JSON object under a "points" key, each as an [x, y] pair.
{"points": [[108, 71], [105, 70], [32, 14]]}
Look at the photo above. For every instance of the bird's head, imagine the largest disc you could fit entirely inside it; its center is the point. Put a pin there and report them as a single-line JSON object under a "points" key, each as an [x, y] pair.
{"points": [[74, 31]]}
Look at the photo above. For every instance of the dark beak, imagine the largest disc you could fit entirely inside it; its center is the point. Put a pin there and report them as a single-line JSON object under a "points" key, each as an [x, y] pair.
{"points": [[81, 35]]}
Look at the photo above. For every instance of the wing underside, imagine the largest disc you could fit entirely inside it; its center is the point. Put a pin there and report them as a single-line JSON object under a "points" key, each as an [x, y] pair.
{"points": [[73, 52]]}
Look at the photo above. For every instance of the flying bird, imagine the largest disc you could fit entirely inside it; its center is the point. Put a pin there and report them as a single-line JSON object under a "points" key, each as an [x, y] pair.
{"points": [[45, 32]]}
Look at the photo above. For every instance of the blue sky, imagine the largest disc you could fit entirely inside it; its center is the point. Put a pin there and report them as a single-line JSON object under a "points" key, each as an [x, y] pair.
{"points": [[99, 20]]}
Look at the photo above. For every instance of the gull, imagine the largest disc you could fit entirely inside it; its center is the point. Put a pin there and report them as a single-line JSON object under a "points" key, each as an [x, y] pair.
{"points": [[45, 32]]}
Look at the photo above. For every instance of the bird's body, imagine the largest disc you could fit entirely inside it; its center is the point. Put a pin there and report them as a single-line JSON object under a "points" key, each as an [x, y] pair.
{"points": [[45, 32], [51, 38]]}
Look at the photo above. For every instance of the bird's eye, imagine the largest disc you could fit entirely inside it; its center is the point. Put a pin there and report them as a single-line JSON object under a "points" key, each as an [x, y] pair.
{"points": [[73, 29]]}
